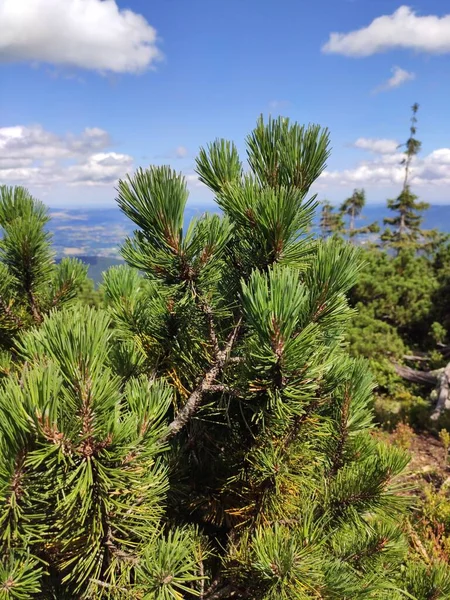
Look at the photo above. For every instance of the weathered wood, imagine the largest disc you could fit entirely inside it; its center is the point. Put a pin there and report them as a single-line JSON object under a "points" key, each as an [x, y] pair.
{"points": [[439, 378], [416, 376], [443, 391]]}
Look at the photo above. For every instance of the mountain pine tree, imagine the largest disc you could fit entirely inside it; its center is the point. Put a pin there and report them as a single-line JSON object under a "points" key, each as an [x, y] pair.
{"points": [[31, 284], [206, 435], [404, 228]]}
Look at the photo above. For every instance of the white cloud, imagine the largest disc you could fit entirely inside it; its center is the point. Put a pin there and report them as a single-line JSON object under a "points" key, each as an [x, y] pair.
{"points": [[100, 169], [181, 152], [89, 34], [35, 142], [376, 145], [403, 29], [399, 77], [34, 156], [193, 181], [384, 170]]}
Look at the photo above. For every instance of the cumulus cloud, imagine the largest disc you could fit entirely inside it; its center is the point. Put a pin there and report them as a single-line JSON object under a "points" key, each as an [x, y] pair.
{"points": [[103, 168], [403, 29], [385, 169], [399, 77], [88, 34], [376, 145], [33, 142], [36, 157]]}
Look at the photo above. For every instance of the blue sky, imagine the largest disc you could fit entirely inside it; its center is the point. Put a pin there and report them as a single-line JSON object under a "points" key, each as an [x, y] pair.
{"points": [[91, 89]]}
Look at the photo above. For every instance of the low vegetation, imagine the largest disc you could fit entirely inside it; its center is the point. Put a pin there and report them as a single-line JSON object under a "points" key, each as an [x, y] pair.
{"points": [[205, 426]]}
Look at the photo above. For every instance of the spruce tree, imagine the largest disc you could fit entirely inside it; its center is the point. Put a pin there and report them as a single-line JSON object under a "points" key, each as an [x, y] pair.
{"points": [[206, 435], [404, 228]]}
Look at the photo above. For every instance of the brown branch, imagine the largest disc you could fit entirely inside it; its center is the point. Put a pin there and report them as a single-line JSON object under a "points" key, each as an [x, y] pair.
{"points": [[212, 328], [34, 307], [194, 400]]}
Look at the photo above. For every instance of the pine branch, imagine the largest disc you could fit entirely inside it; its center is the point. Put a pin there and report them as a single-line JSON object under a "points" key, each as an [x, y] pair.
{"points": [[34, 307], [343, 433], [60, 293], [193, 403], [211, 327], [6, 309], [299, 420]]}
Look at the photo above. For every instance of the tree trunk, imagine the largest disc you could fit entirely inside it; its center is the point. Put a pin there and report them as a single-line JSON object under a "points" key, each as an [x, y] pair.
{"points": [[402, 226]]}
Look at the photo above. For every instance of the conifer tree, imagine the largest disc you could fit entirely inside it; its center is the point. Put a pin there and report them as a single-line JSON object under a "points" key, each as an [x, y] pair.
{"points": [[404, 228], [352, 208], [330, 221], [31, 284], [206, 435]]}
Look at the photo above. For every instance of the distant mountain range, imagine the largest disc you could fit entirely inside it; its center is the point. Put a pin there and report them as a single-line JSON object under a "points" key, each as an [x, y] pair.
{"points": [[95, 235]]}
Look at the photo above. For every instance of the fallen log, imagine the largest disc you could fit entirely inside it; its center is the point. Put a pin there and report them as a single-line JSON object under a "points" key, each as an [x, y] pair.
{"points": [[440, 379]]}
